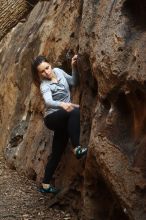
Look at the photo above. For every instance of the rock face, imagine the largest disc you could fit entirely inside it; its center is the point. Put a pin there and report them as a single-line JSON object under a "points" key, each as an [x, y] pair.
{"points": [[109, 37]]}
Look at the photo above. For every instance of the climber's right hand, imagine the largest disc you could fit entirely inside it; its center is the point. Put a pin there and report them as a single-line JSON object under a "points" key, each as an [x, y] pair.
{"points": [[68, 106]]}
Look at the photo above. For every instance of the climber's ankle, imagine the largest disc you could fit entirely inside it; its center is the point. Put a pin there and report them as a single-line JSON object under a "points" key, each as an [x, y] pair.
{"points": [[45, 185]]}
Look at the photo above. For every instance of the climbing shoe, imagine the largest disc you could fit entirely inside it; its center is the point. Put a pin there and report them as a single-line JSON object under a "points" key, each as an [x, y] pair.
{"points": [[80, 152], [51, 189]]}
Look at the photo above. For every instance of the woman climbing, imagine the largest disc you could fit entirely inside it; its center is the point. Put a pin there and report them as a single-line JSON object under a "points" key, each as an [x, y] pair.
{"points": [[61, 115]]}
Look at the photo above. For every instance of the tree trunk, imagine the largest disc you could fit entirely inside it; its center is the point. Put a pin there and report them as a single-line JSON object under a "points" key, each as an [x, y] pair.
{"points": [[11, 12]]}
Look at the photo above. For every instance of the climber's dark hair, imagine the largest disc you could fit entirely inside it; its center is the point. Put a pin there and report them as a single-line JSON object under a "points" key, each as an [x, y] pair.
{"points": [[35, 63]]}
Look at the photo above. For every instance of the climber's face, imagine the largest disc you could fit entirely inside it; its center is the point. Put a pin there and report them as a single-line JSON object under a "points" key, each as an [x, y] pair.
{"points": [[45, 70]]}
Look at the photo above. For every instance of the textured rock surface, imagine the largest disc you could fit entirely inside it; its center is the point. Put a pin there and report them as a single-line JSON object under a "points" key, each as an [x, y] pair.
{"points": [[109, 37]]}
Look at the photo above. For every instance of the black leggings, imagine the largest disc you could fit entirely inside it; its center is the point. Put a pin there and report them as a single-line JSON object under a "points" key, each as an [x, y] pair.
{"points": [[65, 125]]}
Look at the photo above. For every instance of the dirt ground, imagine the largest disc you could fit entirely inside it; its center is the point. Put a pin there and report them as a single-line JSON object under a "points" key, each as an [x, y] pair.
{"points": [[19, 198]]}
